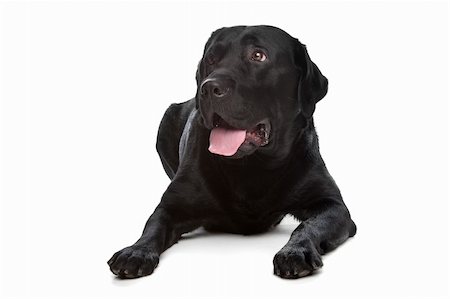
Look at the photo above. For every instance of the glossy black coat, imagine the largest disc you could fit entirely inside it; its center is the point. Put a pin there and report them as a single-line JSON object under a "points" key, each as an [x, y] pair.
{"points": [[254, 189]]}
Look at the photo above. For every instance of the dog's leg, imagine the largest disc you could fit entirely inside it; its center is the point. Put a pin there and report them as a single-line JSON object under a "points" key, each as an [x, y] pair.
{"points": [[325, 226], [173, 217]]}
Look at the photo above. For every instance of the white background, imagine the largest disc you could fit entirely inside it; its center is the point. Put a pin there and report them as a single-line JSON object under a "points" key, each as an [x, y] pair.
{"points": [[85, 84]]}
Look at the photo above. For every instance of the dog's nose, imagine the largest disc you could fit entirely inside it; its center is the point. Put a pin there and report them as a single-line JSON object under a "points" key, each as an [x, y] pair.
{"points": [[216, 88]]}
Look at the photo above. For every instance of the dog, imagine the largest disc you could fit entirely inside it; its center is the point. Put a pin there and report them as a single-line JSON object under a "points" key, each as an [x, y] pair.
{"points": [[243, 153]]}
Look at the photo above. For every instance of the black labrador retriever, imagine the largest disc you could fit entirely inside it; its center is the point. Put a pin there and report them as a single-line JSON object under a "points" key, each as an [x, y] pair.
{"points": [[244, 153]]}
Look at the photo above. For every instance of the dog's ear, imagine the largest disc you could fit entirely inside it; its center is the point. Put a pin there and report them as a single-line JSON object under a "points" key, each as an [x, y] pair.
{"points": [[313, 86]]}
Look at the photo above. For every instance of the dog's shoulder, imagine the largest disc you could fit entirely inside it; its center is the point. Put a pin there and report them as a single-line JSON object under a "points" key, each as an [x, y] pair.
{"points": [[169, 134]]}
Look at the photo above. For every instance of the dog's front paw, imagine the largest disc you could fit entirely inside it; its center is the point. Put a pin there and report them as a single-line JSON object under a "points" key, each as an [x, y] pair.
{"points": [[134, 261], [296, 261]]}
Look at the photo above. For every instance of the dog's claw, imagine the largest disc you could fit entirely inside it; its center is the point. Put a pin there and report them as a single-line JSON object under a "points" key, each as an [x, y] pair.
{"points": [[304, 273]]}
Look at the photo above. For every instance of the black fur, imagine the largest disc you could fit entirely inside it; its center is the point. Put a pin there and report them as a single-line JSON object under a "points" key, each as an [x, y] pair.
{"points": [[254, 189]]}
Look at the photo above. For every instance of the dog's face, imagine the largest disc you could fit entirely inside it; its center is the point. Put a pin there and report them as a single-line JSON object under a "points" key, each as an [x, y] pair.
{"points": [[256, 87]]}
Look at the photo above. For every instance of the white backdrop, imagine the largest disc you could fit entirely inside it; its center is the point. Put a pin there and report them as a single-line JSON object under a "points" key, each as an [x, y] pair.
{"points": [[85, 84]]}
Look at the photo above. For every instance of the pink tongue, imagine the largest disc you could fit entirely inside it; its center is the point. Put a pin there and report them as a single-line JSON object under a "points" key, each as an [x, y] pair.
{"points": [[226, 142]]}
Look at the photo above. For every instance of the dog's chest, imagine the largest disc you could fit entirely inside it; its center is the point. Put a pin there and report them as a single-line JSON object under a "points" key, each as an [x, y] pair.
{"points": [[251, 197], [249, 215], [248, 190], [248, 208], [250, 204]]}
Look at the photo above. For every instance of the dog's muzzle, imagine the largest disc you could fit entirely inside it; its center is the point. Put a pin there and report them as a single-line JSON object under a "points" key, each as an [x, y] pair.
{"points": [[217, 88]]}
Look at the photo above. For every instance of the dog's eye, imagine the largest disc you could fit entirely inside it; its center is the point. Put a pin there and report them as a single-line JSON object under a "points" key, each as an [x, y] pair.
{"points": [[258, 55], [210, 58]]}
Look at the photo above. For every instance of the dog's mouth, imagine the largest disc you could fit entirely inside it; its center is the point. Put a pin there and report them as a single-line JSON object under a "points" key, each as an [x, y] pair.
{"points": [[226, 140]]}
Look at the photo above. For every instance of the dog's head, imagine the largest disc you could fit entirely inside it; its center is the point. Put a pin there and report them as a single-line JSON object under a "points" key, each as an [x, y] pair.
{"points": [[255, 85]]}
